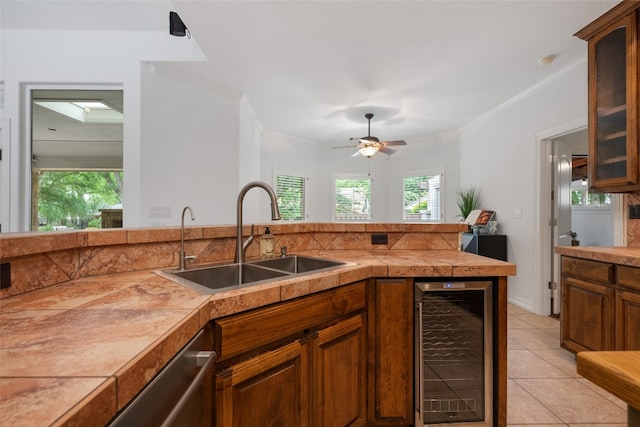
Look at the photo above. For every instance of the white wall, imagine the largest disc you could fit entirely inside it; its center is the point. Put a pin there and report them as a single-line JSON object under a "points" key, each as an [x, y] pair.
{"points": [[505, 140], [79, 59], [189, 151], [594, 226], [440, 153], [322, 164]]}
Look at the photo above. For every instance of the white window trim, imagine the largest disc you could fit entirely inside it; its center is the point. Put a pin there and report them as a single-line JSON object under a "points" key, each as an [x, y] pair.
{"points": [[298, 173], [426, 172], [333, 194]]}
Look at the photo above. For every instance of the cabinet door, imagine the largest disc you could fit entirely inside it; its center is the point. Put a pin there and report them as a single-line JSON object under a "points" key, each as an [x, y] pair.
{"points": [[390, 314], [627, 320], [613, 104], [587, 315], [338, 365], [269, 390]]}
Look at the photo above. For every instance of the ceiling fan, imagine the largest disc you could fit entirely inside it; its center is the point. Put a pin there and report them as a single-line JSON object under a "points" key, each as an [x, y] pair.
{"points": [[370, 145]]}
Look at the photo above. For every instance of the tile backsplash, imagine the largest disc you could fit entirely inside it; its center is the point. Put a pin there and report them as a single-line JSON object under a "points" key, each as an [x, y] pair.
{"points": [[44, 259]]}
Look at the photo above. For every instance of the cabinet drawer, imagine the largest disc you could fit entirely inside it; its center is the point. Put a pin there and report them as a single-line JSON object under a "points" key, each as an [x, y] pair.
{"points": [[244, 332], [629, 277], [587, 269]]}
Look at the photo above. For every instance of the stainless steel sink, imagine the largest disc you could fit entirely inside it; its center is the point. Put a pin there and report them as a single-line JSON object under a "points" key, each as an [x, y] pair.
{"points": [[298, 264], [219, 278], [222, 277]]}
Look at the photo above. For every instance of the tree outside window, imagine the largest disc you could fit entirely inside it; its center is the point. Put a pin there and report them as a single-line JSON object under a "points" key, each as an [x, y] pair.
{"points": [[353, 199], [421, 197], [291, 190], [74, 199]]}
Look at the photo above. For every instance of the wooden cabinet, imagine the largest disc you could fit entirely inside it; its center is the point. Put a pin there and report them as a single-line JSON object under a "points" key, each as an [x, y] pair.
{"points": [[600, 306], [587, 316], [268, 390], [339, 382], [390, 314], [628, 308], [614, 144], [295, 363]]}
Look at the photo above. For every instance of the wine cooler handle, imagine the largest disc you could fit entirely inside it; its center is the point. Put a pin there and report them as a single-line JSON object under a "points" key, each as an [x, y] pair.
{"points": [[418, 360]]}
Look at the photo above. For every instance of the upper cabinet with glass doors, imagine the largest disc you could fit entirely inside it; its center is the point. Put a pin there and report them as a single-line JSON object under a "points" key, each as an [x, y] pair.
{"points": [[614, 81]]}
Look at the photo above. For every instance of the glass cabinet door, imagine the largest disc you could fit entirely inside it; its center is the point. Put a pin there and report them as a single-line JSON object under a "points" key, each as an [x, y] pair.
{"points": [[613, 103]]}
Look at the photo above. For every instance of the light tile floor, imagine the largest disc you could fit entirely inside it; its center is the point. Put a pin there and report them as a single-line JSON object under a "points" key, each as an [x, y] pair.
{"points": [[544, 389]]}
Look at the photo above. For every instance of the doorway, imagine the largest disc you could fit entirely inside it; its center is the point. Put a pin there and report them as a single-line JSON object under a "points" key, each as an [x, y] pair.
{"points": [[560, 214], [76, 159], [558, 146]]}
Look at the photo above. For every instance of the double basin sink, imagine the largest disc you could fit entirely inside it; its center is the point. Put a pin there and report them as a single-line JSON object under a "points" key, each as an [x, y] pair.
{"points": [[219, 278]]}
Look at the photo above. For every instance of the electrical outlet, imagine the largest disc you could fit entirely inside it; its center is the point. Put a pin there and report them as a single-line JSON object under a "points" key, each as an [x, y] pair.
{"points": [[5, 275], [634, 212], [379, 239]]}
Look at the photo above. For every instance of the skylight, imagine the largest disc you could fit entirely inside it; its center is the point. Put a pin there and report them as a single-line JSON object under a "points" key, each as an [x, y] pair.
{"points": [[84, 111]]}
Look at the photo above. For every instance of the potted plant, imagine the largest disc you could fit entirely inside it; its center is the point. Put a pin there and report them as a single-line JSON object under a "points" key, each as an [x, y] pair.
{"points": [[468, 200]]}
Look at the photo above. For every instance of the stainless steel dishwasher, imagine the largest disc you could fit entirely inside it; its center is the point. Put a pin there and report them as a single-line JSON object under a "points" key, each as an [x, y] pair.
{"points": [[181, 394]]}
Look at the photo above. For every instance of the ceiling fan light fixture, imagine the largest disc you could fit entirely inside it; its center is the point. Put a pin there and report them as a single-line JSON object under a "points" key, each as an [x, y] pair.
{"points": [[368, 151]]}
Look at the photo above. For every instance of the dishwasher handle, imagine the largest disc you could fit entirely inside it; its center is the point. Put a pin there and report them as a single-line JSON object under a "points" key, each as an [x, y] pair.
{"points": [[197, 357]]}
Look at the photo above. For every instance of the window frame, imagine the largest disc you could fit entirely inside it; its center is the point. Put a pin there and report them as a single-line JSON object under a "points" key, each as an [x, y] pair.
{"points": [[297, 174], [367, 177], [440, 196]]}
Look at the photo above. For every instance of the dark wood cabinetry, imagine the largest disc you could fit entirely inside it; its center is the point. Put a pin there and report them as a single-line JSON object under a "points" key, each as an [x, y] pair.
{"points": [[296, 363], [600, 306], [614, 55], [339, 382], [390, 314]]}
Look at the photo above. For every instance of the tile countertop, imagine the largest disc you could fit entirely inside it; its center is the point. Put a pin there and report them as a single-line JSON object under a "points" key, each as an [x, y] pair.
{"points": [[623, 255], [618, 372], [76, 353]]}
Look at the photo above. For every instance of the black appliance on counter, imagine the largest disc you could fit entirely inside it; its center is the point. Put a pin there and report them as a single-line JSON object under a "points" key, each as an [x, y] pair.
{"points": [[489, 245], [454, 353]]}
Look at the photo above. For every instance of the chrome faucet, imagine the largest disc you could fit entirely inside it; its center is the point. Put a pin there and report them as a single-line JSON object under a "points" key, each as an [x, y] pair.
{"points": [[183, 257], [241, 247]]}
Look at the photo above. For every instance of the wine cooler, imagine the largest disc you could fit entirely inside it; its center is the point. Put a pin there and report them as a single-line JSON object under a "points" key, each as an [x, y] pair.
{"points": [[454, 359]]}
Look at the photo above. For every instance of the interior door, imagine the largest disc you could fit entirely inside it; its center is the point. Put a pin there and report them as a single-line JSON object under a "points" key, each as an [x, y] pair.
{"points": [[4, 175], [560, 214]]}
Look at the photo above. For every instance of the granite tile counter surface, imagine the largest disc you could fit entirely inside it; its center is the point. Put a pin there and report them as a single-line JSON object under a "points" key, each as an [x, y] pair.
{"points": [[623, 255], [75, 353]]}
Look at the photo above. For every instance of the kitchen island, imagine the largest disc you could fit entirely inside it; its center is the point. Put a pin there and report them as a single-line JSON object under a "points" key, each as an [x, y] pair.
{"points": [[76, 352]]}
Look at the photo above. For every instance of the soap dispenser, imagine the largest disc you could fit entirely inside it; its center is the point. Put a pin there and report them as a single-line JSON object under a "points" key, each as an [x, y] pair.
{"points": [[266, 244]]}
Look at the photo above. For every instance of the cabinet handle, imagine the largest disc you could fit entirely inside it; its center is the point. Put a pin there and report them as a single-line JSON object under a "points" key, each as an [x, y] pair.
{"points": [[418, 360], [197, 357]]}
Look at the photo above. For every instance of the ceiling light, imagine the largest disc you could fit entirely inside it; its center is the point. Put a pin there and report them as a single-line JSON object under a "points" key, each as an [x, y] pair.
{"points": [[584, 181], [368, 151], [547, 60]]}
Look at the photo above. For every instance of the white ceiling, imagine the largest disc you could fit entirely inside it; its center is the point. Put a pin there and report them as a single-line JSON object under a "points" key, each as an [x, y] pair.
{"points": [[312, 69]]}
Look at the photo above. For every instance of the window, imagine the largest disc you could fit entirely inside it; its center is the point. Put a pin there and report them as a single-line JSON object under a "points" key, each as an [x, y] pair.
{"points": [[421, 197], [77, 158], [580, 197], [78, 199], [291, 190], [353, 199]]}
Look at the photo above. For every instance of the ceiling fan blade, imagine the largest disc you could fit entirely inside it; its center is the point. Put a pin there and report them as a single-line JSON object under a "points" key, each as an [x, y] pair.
{"points": [[356, 154], [346, 146], [398, 142], [386, 150]]}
